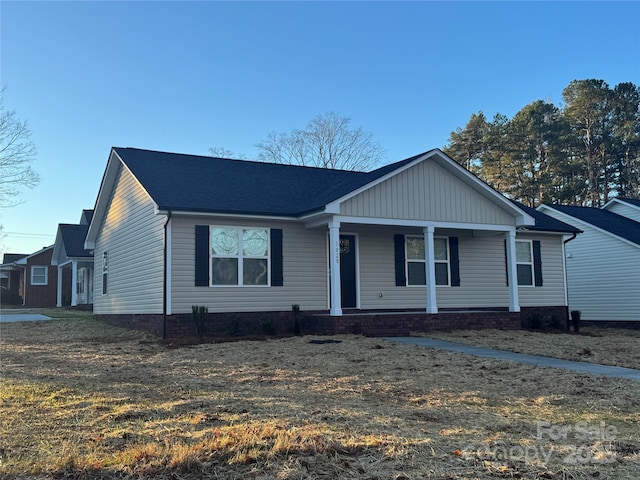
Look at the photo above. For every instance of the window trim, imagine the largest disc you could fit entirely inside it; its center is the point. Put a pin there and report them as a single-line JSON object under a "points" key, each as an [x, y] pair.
{"points": [[423, 261], [105, 272], [33, 274], [240, 256], [531, 264]]}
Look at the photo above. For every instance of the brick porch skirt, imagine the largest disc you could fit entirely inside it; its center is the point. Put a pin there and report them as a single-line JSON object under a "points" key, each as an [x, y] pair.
{"points": [[368, 323]]}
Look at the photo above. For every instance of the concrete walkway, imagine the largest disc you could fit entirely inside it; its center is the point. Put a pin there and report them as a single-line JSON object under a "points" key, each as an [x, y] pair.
{"points": [[22, 317], [582, 367]]}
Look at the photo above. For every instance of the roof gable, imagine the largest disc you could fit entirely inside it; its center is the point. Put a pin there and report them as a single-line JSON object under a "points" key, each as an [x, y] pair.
{"points": [[604, 220]]}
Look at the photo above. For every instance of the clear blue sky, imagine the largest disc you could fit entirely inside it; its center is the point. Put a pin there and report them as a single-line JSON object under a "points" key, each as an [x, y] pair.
{"points": [[185, 76]]}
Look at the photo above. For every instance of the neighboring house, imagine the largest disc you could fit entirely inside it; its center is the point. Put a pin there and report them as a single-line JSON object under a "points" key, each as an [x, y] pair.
{"points": [[356, 251], [11, 279], [37, 278], [603, 263], [70, 256], [627, 207]]}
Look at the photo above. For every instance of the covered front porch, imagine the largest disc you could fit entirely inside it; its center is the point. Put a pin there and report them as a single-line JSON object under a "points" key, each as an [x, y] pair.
{"points": [[409, 267], [75, 283]]}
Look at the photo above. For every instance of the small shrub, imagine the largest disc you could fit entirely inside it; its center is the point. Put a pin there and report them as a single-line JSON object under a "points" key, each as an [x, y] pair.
{"points": [[535, 322], [199, 312], [575, 319], [556, 322], [268, 328], [295, 309]]}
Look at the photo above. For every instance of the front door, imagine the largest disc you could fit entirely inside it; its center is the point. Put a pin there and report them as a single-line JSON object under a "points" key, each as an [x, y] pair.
{"points": [[348, 271]]}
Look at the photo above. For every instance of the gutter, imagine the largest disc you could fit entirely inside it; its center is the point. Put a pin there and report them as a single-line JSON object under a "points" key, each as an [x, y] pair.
{"points": [[164, 279]]}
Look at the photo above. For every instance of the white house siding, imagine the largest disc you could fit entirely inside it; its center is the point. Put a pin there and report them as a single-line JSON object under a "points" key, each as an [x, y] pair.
{"points": [[482, 273], [133, 237], [426, 191], [603, 276], [304, 270], [625, 210]]}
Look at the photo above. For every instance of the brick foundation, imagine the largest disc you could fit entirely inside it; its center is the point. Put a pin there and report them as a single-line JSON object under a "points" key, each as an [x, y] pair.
{"points": [[375, 324]]}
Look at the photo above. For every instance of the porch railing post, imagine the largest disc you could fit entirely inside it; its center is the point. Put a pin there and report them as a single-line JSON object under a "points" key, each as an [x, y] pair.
{"points": [[430, 269], [514, 301]]}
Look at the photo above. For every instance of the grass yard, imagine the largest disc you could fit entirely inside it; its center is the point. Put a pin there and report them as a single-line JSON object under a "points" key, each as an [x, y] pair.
{"points": [[80, 399]]}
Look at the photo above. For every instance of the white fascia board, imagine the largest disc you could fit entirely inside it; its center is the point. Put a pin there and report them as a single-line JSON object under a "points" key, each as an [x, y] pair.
{"points": [[57, 248], [104, 193], [570, 218], [522, 218], [100, 207]]}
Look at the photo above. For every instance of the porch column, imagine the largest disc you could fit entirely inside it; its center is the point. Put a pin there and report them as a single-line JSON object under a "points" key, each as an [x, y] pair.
{"points": [[74, 282], [334, 267], [514, 302], [430, 269], [59, 287]]}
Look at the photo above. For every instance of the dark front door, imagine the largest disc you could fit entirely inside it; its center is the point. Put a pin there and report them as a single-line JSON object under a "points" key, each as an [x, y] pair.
{"points": [[348, 271]]}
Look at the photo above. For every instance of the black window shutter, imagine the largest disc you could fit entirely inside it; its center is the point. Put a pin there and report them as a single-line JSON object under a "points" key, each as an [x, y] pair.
{"points": [[202, 256], [537, 263], [454, 261], [506, 262], [277, 279], [401, 280]]}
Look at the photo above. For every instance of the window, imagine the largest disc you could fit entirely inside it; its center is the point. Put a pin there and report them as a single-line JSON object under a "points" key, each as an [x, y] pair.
{"points": [[105, 269], [524, 262], [39, 275], [416, 274], [239, 256], [80, 282]]}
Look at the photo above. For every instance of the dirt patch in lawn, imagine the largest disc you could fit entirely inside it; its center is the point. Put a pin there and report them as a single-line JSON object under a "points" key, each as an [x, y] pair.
{"points": [[618, 347], [80, 399]]}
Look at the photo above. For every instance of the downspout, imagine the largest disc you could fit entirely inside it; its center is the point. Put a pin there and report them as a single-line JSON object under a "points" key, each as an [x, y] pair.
{"points": [[164, 279], [564, 268]]}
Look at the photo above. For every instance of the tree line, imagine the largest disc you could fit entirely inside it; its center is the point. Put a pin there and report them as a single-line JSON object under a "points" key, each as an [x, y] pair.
{"points": [[582, 153]]}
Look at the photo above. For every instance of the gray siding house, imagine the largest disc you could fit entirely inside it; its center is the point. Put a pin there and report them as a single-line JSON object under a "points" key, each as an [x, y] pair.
{"points": [[414, 245], [603, 263], [70, 257]]}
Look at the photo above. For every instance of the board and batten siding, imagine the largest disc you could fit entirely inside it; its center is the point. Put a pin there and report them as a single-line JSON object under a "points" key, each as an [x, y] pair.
{"points": [[483, 281], [304, 270], [625, 210], [133, 237], [603, 276], [426, 191]]}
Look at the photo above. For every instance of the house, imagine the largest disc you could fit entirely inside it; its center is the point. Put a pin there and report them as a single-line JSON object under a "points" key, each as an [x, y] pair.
{"points": [[627, 207], [603, 263], [33, 277], [11, 279], [418, 244], [70, 256]]}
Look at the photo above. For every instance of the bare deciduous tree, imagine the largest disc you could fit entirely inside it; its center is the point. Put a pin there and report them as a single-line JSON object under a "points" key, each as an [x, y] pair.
{"points": [[17, 151], [326, 142]]}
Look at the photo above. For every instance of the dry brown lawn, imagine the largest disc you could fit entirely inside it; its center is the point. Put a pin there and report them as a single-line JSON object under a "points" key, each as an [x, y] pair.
{"points": [[606, 346], [80, 399]]}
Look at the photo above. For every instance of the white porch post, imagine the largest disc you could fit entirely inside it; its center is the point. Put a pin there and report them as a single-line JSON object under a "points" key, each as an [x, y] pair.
{"points": [[430, 269], [59, 287], [514, 302], [74, 282], [334, 267]]}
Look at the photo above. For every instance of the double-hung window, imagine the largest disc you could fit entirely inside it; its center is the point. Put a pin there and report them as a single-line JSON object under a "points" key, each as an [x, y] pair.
{"points": [[39, 275], [524, 262], [239, 256], [415, 258]]}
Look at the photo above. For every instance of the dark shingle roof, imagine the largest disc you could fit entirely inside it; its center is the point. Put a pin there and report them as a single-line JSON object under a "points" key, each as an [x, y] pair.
{"points": [[611, 222], [207, 184], [546, 223], [73, 237], [12, 257]]}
